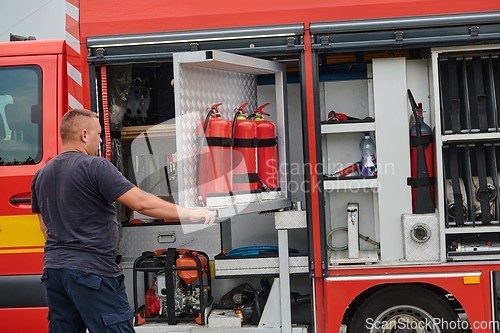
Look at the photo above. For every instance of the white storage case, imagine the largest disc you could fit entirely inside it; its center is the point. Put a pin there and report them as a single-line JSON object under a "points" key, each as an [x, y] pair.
{"points": [[420, 237]]}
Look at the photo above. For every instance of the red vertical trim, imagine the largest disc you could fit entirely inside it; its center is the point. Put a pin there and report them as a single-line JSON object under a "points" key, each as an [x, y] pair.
{"points": [[74, 88], [107, 131], [319, 305], [75, 3], [85, 76], [72, 27], [313, 160], [74, 58], [62, 96]]}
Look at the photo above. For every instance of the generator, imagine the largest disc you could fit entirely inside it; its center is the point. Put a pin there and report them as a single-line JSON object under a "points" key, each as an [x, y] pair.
{"points": [[177, 284]]}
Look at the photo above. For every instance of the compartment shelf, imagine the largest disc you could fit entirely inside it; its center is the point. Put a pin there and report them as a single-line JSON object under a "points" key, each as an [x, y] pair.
{"points": [[381, 199], [248, 208], [350, 184], [230, 267], [342, 258], [471, 137], [473, 230], [129, 133], [354, 127]]}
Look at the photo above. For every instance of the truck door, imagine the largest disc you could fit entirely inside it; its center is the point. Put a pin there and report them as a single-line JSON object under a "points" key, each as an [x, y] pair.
{"points": [[28, 139]]}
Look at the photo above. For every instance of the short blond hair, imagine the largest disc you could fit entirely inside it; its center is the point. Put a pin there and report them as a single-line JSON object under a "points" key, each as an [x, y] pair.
{"points": [[70, 122]]}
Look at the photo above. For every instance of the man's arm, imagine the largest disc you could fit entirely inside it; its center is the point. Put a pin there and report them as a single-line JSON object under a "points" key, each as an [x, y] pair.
{"points": [[43, 228], [150, 205]]}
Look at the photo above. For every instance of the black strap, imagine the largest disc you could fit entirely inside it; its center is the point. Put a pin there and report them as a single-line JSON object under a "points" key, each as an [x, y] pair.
{"points": [[423, 201], [167, 178], [420, 182], [455, 182], [454, 98], [420, 141], [115, 134], [480, 96], [244, 143], [483, 184], [219, 142], [267, 142], [169, 284], [245, 178]]}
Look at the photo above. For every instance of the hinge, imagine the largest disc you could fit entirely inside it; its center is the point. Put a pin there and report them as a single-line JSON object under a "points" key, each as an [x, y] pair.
{"points": [[474, 31], [290, 41], [194, 46], [325, 40], [99, 53], [398, 36]]}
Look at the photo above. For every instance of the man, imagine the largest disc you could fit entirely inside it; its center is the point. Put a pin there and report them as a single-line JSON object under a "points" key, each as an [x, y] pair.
{"points": [[74, 197]]}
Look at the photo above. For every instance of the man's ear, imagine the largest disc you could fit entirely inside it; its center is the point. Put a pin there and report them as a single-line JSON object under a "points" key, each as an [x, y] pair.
{"points": [[83, 135]]}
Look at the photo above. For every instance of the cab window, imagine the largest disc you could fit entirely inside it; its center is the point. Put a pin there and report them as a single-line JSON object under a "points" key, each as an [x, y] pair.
{"points": [[20, 115]]}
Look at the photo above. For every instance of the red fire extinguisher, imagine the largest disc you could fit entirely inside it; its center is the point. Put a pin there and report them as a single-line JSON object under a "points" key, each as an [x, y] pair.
{"points": [[267, 150], [214, 160], [244, 132], [422, 162]]}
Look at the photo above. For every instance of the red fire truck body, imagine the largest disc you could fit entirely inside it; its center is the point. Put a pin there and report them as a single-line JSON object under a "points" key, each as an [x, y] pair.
{"points": [[312, 37]]}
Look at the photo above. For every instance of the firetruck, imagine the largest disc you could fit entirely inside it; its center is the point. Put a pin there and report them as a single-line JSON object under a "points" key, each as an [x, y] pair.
{"points": [[408, 245]]}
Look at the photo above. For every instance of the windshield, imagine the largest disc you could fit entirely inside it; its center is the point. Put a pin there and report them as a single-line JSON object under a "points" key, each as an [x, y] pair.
{"points": [[20, 115]]}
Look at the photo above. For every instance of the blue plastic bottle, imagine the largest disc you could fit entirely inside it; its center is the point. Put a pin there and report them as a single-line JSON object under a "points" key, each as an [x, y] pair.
{"points": [[368, 165]]}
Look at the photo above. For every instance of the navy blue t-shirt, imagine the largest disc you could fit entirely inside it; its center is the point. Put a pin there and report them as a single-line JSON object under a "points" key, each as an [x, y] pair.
{"points": [[75, 194]]}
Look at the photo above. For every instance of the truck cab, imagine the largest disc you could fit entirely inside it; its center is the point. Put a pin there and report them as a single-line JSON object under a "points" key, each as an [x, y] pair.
{"points": [[32, 75]]}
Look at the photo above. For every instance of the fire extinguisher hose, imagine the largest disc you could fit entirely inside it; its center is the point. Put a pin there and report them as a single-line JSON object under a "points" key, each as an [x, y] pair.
{"points": [[198, 157], [233, 128]]}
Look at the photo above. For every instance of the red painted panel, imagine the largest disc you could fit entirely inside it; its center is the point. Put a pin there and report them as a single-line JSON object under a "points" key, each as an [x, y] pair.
{"points": [[344, 285], [30, 48], [24, 320], [21, 263], [100, 18]]}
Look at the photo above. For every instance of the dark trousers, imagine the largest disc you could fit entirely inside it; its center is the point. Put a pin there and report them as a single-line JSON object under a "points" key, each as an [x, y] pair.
{"points": [[78, 301]]}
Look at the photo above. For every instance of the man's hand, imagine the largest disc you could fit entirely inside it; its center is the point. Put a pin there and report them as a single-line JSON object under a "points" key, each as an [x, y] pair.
{"points": [[150, 205], [202, 214]]}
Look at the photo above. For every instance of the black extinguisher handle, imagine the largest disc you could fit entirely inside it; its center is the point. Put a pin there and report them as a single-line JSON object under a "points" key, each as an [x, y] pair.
{"points": [[414, 107], [413, 104]]}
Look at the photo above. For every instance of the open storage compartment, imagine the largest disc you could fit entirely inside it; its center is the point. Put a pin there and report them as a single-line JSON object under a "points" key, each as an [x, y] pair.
{"points": [[367, 92], [158, 153], [156, 139], [206, 78], [469, 92]]}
